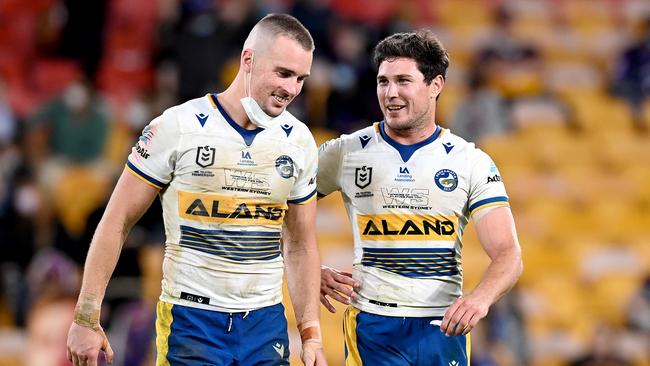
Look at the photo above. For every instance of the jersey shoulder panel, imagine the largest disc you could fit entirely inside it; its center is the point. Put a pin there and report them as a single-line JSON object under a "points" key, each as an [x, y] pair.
{"points": [[363, 139], [297, 131], [486, 188], [195, 115], [153, 157]]}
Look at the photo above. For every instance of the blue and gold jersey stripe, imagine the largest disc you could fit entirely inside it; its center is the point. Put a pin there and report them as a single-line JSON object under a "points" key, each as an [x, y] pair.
{"points": [[144, 177], [303, 200], [413, 262], [494, 201], [233, 245]]}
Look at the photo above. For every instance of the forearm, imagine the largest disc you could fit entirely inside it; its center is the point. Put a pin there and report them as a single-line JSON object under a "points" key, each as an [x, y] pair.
{"points": [[101, 260], [500, 276], [303, 280]]}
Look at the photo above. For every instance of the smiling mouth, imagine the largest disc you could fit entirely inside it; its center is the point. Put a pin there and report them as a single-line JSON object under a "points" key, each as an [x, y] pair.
{"points": [[394, 108], [281, 100]]}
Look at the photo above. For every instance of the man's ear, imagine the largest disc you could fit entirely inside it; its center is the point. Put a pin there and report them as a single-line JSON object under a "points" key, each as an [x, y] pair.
{"points": [[436, 86], [246, 61]]}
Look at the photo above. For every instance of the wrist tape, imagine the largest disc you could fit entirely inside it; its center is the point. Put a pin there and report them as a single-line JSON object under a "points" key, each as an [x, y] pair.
{"points": [[310, 331]]}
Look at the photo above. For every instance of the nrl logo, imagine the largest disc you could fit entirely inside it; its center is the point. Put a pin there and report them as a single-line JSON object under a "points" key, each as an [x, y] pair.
{"points": [[205, 156], [363, 176]]}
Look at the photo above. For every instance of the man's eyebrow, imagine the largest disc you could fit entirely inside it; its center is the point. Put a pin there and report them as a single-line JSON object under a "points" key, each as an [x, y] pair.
{"points": [[290, 72], [398, 76]]}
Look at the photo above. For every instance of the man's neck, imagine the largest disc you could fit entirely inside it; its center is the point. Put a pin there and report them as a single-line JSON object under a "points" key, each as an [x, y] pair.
{"points": [[410, 137], [230, 101]]}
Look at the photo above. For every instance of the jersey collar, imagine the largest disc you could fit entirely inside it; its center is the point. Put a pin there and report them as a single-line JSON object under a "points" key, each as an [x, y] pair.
{"points": [[247, 135], [406, 151]]}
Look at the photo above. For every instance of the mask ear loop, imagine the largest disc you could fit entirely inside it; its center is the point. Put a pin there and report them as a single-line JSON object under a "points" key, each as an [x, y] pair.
{"points": [[248, 77]]}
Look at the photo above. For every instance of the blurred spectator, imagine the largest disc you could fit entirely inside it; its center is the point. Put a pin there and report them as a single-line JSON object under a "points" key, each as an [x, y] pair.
{"points": [[65, 146], [76, 125], [317, 16], [52, 275], [502, 339], [638, 311], [47, 331], [508, 63], [481, 113], [53, 281], [632, 75], [9, 154], [7, 119], [603, 351], [82, 37], [202, 37], [22, 234], [352, 103]]}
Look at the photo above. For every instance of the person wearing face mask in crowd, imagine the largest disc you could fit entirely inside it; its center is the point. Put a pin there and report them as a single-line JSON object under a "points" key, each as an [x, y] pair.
{"points": [[235, 173], [76, 127], [410, 187]]}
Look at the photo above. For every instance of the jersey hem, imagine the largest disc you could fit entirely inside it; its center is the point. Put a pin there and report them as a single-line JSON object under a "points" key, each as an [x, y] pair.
{"points": [[223, 309], [399, 311]]}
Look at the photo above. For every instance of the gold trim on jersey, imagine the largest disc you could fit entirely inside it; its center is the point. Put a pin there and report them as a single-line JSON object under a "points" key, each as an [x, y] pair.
{"points": [[406, 227], [212, 208]]}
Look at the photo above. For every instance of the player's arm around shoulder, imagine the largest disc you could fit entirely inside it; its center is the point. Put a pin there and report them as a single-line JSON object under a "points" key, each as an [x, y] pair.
{"points": [[127, 204], [497, 235], [302, 266]]}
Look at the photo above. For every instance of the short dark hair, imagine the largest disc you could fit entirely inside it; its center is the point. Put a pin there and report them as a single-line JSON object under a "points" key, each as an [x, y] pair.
{"points": [[287, 25], [422, 46]]}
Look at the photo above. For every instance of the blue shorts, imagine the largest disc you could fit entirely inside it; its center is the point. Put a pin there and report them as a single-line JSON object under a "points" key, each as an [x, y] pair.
{"points": [[189, 336], [378, 340]]}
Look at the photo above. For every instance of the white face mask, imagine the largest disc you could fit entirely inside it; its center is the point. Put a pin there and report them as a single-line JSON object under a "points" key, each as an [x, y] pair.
{"points": [[253, 110]]}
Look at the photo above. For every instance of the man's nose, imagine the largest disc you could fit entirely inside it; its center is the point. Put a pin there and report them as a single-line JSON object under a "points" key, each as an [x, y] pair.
{"points": [[293, 87], [391, 90]]}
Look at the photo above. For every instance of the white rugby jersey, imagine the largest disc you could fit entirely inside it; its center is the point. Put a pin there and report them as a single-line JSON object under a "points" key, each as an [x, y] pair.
{"points": [[224, 193], [408, 206]]}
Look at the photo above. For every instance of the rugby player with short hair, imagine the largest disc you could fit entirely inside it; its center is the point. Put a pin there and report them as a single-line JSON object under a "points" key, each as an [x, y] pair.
{"points": [[231, 169], [410, 188]]}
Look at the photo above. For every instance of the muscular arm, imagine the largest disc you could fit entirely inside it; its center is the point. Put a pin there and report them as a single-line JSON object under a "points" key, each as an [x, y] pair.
{"points": [[127, 204], [302, 264], [497, 234]]}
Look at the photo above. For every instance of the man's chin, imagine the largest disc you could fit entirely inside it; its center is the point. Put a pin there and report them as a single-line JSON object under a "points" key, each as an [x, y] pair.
{"points": [[274, 112]]}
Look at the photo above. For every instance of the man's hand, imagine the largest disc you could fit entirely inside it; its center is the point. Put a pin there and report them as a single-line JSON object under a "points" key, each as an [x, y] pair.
{"points": [[312, 354], [463, 315], [85, 343], [338, 285]]}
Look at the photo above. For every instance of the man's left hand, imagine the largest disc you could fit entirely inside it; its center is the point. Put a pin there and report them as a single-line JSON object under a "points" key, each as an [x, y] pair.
{"points": [[463, 315]]}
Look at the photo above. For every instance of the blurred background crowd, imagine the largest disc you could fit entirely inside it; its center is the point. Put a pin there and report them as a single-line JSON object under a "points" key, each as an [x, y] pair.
{"points": [[556, 91]]}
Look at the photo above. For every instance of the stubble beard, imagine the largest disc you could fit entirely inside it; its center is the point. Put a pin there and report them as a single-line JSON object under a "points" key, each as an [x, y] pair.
{"points": [[412, 126]]}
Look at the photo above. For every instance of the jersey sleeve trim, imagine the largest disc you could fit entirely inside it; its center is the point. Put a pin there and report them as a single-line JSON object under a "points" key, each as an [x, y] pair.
{"points": [[303, 200], [494, 201], [144, 177]]}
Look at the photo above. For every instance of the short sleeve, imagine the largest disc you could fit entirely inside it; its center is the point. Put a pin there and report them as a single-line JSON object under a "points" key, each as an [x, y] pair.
{"points": [[329, 165], [152, 159], [304, 189], [486, 186]]}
